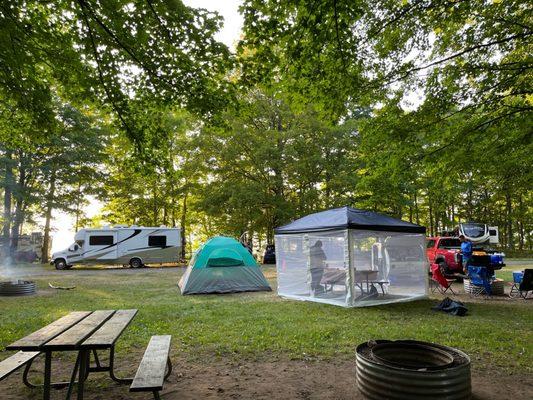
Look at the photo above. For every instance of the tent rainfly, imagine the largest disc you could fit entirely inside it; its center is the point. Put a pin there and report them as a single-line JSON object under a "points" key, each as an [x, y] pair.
{"points": [[351, 258], [222, 265]]}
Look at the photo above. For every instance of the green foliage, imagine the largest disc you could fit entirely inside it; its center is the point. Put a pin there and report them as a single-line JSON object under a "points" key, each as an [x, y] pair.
{"points": [[448, 158], [112, 52], [269, 163], [420, 109]]}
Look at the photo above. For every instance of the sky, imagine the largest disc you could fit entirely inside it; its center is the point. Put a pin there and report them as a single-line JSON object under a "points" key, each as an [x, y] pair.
{"points": [[63, 224]]}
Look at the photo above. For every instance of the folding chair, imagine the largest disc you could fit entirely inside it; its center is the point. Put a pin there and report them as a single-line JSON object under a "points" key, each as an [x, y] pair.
{"points": [[522, 284], [479, 281], [439, 281]]}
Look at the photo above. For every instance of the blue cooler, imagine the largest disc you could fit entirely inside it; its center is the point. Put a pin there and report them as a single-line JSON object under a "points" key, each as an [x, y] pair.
{"points": [[518, 276], [496, 259]]}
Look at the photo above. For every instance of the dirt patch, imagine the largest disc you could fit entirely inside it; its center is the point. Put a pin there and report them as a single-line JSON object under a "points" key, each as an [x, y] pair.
{"points": [[280, 379]]}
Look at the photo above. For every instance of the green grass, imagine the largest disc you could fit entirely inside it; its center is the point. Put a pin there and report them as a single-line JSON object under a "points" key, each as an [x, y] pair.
{"points": [[262, 325]]}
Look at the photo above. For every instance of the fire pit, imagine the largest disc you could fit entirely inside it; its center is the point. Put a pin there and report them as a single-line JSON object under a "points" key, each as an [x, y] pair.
{"points": [[17, 288], [408, 370]]}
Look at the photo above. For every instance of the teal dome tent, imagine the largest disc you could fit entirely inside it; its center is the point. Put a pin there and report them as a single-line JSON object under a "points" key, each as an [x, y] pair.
{"points": [[222, 265]]}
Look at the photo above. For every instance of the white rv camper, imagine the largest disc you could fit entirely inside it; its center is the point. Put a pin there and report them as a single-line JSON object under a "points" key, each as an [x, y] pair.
{"points": [[134, 246]]}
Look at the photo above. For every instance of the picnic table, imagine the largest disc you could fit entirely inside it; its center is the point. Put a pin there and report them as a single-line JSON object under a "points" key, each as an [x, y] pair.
{"points": [[86, 333], [366, 279]]}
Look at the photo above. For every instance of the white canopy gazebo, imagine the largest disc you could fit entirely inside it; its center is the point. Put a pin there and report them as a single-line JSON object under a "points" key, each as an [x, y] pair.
{"points": [[351, 258]]}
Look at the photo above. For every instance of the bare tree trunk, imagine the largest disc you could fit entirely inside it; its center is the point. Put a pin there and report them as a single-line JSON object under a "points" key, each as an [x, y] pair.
{"points": [[19, 213], [521, 229], [165, 213], [416, 208], [469, 203], [452, 217], [78, 209], [411, 212], [183, 222], [155, 209], [48, 217], [509, 221], [8, 186], [430, 217]]}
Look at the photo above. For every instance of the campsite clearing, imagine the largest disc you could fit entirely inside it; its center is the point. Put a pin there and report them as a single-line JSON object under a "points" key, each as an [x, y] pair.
{"points": [[239, 332]]}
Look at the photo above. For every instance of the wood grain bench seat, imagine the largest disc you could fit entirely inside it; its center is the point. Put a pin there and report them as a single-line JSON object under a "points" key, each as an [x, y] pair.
{"points": [[16, 361], [152, 369]]}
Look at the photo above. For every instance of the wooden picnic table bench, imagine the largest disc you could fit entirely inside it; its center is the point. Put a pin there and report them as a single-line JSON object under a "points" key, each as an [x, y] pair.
{"points": [[86, 333], [151, 372]]}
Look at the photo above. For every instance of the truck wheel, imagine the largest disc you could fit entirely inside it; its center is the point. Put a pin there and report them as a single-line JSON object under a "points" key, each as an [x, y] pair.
{"points": [[60, 263], [136, 263]]}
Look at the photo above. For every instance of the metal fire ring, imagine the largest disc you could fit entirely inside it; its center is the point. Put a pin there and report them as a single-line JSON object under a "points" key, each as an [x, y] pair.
{"points": [[17, 288], [378, 380], [411, 355]]}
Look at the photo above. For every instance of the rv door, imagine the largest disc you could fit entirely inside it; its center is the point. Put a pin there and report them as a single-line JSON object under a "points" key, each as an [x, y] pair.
{"points": [[101, 245], [494, 236]]}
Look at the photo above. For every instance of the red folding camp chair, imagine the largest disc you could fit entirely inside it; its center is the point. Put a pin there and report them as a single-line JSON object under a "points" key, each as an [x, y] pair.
{"points": [[439, 281]]}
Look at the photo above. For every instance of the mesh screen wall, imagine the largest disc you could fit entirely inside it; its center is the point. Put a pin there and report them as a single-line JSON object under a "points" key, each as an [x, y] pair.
{"points": [[352, 268]]}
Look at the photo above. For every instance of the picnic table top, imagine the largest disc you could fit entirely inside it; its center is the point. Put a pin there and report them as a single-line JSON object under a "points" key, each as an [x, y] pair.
{"points": [[78, 330]]}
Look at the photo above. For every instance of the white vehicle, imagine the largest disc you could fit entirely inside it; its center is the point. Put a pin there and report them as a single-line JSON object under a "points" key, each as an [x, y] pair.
{"points": [[479, 234], [134, 245]]}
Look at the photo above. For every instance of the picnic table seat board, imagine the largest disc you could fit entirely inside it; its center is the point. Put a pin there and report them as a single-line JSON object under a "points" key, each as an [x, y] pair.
{"points": [[74, 336], [152, 369], [35, 340], [107, 335], [16, 361]]}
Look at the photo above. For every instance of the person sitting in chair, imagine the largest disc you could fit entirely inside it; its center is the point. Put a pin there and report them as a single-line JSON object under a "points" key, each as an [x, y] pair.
{"points": [[318, 258], [466, 252]]}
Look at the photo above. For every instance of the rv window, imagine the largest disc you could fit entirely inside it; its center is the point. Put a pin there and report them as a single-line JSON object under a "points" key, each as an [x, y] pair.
{"points": [[101, 240], [157, 241]]}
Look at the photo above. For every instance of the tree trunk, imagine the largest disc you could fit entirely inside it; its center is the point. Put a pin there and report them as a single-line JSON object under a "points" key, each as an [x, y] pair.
{"points": [[183, 222], [155, 208], [8, 186], [509, 221], [411, 211], [430, 216], [78, 208], [19, 213], [416, 208], [164, 213], [521, 224], [469, 203], [48, 217]]}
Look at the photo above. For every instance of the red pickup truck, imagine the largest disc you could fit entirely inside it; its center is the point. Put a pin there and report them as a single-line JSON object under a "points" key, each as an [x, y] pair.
{"points": [[444, 251]]}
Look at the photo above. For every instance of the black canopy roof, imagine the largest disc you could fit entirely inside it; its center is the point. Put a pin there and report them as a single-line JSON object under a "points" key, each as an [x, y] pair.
{"points": [[348, 217]]}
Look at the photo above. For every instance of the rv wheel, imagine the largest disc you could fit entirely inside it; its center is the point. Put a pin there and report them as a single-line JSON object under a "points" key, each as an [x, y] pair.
{"points": [[136, 263], [60, 263]]}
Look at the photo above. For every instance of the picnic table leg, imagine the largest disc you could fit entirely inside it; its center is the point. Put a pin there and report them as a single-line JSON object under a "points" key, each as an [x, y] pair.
{"points": [[47, 374], [25, 376], [55, 385], [169, 371], [83, 372], [111, 369], [73, 377]]}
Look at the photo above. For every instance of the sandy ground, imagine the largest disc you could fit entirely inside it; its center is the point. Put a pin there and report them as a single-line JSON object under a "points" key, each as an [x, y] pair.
{"points": [[273, 379]]}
